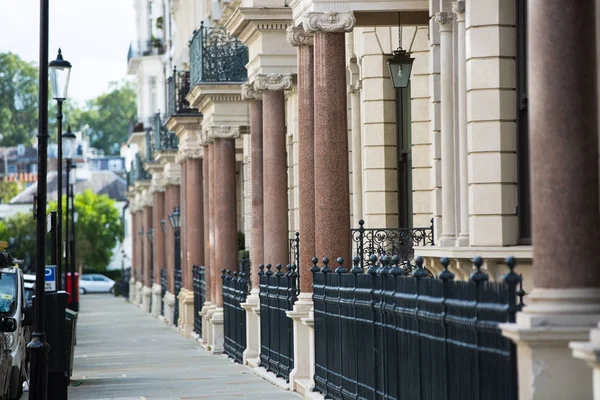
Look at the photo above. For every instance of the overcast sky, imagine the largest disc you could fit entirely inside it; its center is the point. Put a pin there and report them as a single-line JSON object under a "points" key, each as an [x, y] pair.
{"points": [[94, 36]]}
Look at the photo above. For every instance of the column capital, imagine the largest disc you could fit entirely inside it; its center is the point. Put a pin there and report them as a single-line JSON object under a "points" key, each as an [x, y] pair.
{"points": [[172, 179], [224, 132], [158, 184], [273, 82], [458, 7], [329, 22], [297, 36], [249, 93], [445, 20], [356, 88]]}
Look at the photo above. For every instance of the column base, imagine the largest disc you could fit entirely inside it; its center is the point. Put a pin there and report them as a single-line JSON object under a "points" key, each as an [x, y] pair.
{"points": [[187, 312], [207, 308], [307, 385], [138, 293], [542, 332], [132, 290], [589, 352], [217, 333], [181, 320], [251, 355], [146, 298], [300, 375], [156, 300], [169, 310], [271, 378]]}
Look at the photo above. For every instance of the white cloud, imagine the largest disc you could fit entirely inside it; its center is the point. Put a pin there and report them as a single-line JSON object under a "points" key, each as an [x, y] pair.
{"points": [[94, 37]]}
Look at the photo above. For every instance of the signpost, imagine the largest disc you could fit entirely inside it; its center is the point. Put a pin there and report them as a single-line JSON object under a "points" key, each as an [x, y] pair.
{"points": [[50, 278]]}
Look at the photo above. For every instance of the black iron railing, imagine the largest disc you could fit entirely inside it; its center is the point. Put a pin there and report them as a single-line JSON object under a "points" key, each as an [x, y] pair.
{"points": [[177, 277], [139, 173], [163, 290], [216, 56], [199, 296], [278, 293], [295, 249], [389, 242], [123, 283], [163, 138], [178, 87], [235, 291], [394, 333], [145, 48]]}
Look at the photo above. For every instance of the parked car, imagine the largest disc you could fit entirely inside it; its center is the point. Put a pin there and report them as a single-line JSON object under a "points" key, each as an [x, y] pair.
{"points": [[95, 283], [16, 319]]}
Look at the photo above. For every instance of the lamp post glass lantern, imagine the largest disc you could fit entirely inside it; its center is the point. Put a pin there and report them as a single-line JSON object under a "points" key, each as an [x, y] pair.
{"points": [[400, 67], [175, 219], [69, 144], [60, 72], [163, 225]]}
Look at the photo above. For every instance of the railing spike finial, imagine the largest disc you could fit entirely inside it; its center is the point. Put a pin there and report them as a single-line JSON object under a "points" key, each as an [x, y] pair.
{"points": [[445, 275], [293, 273], [223, 273], [269, 272], [278, 267], [236, 275], [478, 275], [340, 269], [373, 268], [288, 270], [315, 267], [419, 271], [325, 268], [521, 293], [511, 278], [385, 265], [261, 270], [356, 269], [396, 270]]}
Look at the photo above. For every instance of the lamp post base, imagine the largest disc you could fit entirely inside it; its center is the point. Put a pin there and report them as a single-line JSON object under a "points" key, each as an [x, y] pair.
{"points": [[38, 348]]}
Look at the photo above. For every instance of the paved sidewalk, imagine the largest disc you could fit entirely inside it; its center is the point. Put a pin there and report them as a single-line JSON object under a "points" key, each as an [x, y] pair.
{"points": [[123, 353]]}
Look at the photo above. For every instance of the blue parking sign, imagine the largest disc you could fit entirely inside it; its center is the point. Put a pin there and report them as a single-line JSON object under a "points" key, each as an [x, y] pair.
{"points": [[50, 278]]}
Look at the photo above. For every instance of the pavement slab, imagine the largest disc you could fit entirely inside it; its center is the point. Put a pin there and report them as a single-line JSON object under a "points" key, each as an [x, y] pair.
{"points": [[124, 353]]}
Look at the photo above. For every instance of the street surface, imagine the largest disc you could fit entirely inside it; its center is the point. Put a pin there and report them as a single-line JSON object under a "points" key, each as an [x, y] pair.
{"points": [[123, 353]]}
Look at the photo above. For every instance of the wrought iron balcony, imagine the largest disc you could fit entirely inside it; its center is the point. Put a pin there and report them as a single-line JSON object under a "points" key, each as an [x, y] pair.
{"points": [[163, 138], [390, 242], [216, 56], [178, 87], [138, 173], [145, 48]]}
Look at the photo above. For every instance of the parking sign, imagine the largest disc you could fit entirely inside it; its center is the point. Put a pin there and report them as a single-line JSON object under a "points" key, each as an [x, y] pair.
{"points": [[50, 278]]}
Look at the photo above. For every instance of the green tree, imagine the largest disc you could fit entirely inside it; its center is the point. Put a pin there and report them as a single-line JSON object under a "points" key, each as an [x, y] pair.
{"points": [[18, 100], [107, 117], [8, 190], [97, 231], [19, 232]]}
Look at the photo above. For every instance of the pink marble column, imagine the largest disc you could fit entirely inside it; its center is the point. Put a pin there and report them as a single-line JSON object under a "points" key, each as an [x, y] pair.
{"points": [[275, 199], [306, 156], [140, 243], [134, 242], [256, 149], [225, 208], [215, 270], [147, 246], [564, 144], [184, 223], [332, 185], [206, 171], [194, 217], [158, 211]]}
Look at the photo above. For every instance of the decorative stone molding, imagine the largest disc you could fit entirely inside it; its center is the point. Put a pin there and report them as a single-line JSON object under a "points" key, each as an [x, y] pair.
{"points": [[458, 6], [158, 184], [205, 139], [273, 82], [250, 93], [329, 22], [356, 88], [297, 36], [189, 152], [172, 178], [224, 132], [445, 20]]}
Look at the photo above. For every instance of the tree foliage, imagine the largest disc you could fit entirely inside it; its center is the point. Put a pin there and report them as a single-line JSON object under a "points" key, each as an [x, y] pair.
{"points": [[18, 100], [19, 231], [97, 231], [8, 190]]}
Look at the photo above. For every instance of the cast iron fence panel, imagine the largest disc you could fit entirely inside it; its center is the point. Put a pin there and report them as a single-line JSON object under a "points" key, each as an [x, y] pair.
{"points": [[139, 173], [235, 291], [216, 56], [199, 296], [124, 282], [145, 48], [177, 290], [178, 87], [295, 251], [163, 290], [163, 138], [394, 333], [390, 242], [278, 293]]}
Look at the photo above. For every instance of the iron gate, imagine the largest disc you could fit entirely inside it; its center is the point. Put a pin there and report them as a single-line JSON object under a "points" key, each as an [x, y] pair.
{"points": [[235, 291]]}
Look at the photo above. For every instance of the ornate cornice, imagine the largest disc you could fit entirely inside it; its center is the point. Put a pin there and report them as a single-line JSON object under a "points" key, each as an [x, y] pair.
{"points": [[273, 81], [297, 36], [445, 20], [189, 152], [224, 132], [249, 93], [329, 22]]}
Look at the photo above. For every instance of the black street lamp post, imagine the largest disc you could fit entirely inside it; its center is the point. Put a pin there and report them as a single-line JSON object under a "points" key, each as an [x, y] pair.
{"points": [[69, 142], [175, 220], [38, 346], [75, 215], [60, 72], [141, 234], [150, 234]]}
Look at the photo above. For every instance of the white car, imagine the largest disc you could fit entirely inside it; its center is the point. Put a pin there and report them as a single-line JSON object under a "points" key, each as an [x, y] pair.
{"points": [[95, 283]]}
